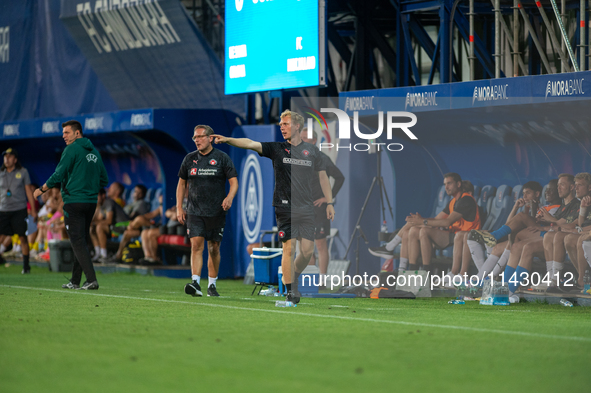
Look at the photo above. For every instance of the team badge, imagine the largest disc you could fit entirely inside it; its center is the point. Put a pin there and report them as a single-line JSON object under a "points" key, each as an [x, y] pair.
{"points": [[18, 175], [193, 171], [212, 162], [281, 234], [306, 153]]}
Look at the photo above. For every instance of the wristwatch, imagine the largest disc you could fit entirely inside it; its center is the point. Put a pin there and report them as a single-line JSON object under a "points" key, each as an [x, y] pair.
{"points": [[579, 229], [425, 221]]}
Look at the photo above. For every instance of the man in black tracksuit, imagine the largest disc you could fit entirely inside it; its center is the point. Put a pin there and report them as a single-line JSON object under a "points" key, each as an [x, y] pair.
{"points": [[82, 174]]}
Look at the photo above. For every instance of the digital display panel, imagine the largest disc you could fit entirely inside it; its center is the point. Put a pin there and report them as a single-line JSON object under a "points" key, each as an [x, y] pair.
{"points": [[274, 44]]}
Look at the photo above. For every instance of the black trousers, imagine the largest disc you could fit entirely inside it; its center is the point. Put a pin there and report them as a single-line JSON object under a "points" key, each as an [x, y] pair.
{"points": [[77, 217]]}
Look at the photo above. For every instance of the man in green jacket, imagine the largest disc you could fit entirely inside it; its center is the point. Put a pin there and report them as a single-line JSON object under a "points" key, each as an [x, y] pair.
{"points": [[82, 174]]}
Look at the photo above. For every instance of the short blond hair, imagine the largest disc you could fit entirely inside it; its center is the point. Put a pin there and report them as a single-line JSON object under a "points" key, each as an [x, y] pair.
{"points": [[584, 176], [296, 118]]}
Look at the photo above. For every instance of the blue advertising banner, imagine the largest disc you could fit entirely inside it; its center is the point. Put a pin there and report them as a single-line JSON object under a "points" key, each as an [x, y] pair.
{"points": [[42, 71]]}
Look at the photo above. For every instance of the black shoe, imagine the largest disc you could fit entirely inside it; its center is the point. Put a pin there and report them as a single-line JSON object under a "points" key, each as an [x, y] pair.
{"points": [[381, 252], [212, 291], [193, 289], [484, 238], [70, 286], [87, 286], [26, 270], [557, 289], [293, 296]]}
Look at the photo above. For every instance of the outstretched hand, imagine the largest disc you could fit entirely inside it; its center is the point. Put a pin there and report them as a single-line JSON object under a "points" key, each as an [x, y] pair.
{"points": [[219, 138]]}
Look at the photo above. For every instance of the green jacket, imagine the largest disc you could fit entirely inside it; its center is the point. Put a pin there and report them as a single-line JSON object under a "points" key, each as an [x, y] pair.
{"points": [[81, 173]]}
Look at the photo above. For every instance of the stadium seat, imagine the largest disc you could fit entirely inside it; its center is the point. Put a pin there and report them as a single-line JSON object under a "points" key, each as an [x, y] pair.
{"points": [[149, 195], [517, 193], [501, 207], [441, 201], [485, 201], [154, 201], [477, 190], [543, 201]]}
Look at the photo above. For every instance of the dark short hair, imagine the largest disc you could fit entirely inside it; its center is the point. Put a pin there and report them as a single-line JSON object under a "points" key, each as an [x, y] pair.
{"points": [[467, 186], [74, 124], [454, 176], [208, 129], [143, 189], [534, 186], [569, 177], [553, 183]]}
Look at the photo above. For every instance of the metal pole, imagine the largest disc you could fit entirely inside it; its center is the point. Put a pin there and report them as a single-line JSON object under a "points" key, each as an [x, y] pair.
{"points": [[562, 12], [471, 54], [534, 37], [582, 43], [553, 35], [511, 38], [569, 48], [515, 39], [497, 38]]}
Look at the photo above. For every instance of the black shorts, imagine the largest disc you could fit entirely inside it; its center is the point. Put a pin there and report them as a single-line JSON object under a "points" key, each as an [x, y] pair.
{"points": [[13, 223], [322, 222], [210, 228], [294, 225]]}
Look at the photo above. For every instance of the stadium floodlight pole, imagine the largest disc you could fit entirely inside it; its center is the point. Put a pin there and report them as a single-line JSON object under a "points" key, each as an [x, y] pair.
{"points": [[379, 180]]}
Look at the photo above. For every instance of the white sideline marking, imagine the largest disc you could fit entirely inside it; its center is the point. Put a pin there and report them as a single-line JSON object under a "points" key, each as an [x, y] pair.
{"points": [[454, 327]]}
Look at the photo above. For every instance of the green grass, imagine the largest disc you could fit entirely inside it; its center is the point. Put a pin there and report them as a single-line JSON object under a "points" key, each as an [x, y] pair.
{"points": [[143, 334]]}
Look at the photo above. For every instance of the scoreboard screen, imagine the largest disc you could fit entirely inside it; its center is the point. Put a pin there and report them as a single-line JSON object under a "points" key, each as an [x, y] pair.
{"points": [[274, 44]]}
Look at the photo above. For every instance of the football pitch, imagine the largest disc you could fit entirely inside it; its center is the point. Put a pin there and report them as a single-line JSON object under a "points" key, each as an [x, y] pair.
{"points": [[143, 334]]}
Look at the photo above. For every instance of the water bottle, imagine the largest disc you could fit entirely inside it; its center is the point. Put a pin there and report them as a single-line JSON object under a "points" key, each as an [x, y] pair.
{"points": [[565, 303], [456, 302], [587, 281], [384, 228], [284, 303]]}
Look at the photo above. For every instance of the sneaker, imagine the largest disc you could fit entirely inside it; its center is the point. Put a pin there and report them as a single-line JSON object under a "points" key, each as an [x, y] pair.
{"points": [[89, 286], [193, 289], [70, 286], [381, 252], [26, 270], [482, 237], [212, 291], [513, 299], [293, 296]]}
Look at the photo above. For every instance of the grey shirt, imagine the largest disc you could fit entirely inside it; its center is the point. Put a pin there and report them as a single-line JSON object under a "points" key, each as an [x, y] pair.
{"points": [[137, 208], [14, 181], [119, 215]]}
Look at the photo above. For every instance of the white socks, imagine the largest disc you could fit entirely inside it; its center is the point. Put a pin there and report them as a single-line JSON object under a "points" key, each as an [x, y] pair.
{"points": [[500, 267], [403, 265], [477, 253], [487, 266], [2, 248], [556, 268], [197, 278], [212, 281], [587, 251], [393, 243], [102, 252]]}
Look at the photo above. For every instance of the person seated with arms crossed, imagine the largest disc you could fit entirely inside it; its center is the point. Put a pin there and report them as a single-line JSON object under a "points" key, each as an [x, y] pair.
{"points": [[108, 214], [134, 229], [461, 214]]}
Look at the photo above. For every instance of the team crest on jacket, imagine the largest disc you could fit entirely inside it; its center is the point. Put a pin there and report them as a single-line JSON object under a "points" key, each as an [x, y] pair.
{"points": [[91, 157], [306, 153], [212, 162], [281, 234]]}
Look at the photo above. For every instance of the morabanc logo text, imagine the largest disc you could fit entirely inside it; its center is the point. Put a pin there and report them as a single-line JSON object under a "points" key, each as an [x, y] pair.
{"points": [[490, 93], [569, 87], [421, 99]]}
